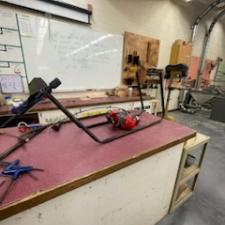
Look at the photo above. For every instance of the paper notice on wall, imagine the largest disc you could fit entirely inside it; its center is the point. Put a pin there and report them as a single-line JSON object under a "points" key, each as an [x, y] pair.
{"points": [[7, 18], [11, 84], [27, 25], [5, 13]]}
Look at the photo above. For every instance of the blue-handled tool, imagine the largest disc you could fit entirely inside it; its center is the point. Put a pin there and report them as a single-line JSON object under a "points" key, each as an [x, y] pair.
{"points": [[9, 166], [14, 170]]}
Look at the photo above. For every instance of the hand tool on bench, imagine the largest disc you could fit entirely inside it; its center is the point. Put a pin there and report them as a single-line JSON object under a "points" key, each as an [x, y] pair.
{"points": [[13, 171], [10, 135], [24, 127], [22, 140]]}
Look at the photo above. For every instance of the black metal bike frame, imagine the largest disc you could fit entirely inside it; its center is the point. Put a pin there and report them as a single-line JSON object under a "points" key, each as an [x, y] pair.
{"points": [[87, 129]]}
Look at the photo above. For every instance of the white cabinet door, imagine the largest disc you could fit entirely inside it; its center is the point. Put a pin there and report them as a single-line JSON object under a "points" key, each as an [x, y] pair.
{"points": [[51, 116], [147, 105], [125, 105]]}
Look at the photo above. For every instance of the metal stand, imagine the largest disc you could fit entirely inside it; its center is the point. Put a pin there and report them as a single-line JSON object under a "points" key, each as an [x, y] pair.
{"points": [[139, 90]]}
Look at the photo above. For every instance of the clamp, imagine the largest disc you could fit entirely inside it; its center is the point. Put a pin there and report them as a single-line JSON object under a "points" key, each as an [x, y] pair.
{"points": [[14, 170]]}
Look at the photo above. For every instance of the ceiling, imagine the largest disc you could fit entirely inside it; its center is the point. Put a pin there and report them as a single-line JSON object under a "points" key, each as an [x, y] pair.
{"points": [[205, 3], [208, 2], [202, 5]]}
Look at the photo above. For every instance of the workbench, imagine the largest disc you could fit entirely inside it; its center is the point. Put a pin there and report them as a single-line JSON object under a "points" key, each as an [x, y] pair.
{"points": [[46, 112], [128, 181], [46, 105]]}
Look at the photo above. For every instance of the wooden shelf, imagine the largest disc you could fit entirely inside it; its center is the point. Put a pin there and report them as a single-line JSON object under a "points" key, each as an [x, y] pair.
{"points": [[198, 140], [189, 172], [183, 197], [182, 191]]}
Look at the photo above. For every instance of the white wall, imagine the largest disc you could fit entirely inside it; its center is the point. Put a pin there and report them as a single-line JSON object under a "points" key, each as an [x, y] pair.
{"points": [[163, 19]]}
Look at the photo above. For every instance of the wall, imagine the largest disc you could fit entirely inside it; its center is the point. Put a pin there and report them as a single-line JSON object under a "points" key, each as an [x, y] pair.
{"points": [[163, 19], [166, 20]]}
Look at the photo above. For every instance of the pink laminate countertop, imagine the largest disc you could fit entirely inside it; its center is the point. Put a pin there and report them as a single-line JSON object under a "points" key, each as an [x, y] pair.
{"points": [[71, 158]]}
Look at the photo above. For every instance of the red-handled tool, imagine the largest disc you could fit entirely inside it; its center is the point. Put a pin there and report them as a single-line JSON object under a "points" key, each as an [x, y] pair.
{"points": [[24, 127], [123, 119]]}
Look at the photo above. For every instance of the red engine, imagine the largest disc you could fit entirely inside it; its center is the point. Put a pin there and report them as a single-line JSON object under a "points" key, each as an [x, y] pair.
{"points": [[123, 119]]}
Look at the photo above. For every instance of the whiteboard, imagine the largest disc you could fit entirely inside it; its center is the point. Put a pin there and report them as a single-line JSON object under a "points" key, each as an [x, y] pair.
{"points": [[79, 56], [9, 37]]}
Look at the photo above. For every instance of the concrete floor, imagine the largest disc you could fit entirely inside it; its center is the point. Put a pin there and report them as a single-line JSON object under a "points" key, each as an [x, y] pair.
{"points": [[207, 205]]}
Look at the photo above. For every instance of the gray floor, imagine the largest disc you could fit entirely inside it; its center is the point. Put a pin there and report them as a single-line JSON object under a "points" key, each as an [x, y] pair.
{"points": [[207, 205]]}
